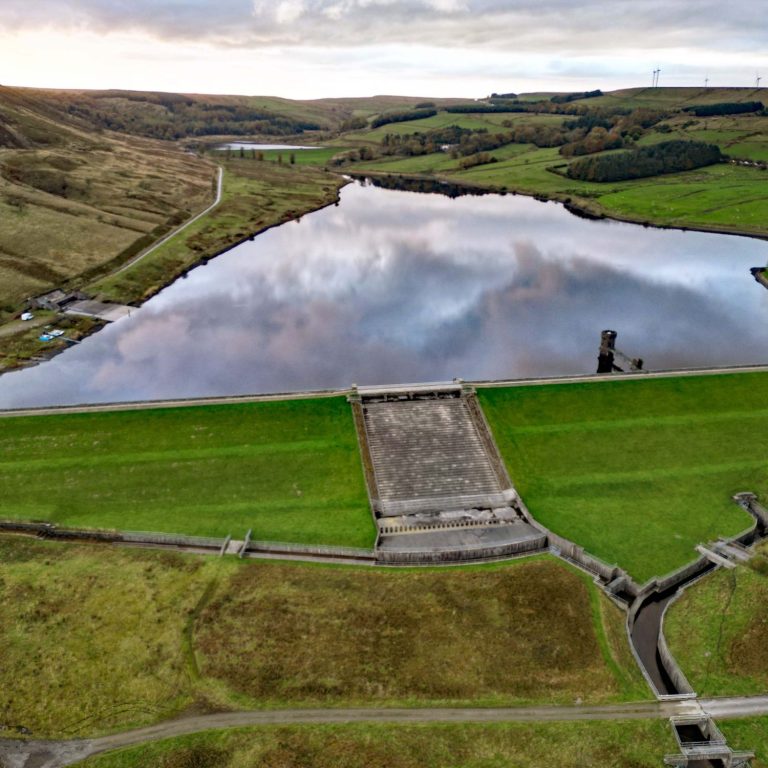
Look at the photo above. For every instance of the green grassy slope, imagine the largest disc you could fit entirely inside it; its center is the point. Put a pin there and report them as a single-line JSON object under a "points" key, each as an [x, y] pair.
{"points": [[718, 631], [636, 471], [749, 734], [412, 636], [290, 470], [729, 198]]}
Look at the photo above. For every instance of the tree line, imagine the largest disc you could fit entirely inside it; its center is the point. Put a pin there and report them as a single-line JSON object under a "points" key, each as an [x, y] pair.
{"points": [[401, 117], [725, 108], [665, 157]]}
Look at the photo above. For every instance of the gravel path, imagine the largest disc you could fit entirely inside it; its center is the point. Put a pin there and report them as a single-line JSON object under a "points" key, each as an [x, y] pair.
{"points": [[56, 754]]}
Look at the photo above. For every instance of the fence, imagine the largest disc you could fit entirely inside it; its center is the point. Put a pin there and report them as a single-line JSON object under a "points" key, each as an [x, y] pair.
{"points": [[316, 550], [53, 531]]}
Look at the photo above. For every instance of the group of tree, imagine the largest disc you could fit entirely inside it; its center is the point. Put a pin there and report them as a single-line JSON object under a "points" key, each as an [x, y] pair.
{"points": [[665, 157], [401, 117], [725, 108], [564, 98], [481, 158], [595, 131], [172, 116]]}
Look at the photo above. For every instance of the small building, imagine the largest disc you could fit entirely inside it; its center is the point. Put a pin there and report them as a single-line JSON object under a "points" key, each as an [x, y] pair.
{"points": [[56, 300]]}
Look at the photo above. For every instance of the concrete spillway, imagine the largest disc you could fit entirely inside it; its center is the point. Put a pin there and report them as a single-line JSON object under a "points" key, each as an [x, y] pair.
{"points": [[438, 487]]}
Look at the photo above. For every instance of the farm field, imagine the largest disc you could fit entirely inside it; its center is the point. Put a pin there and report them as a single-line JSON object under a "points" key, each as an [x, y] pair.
{"points": [[638, 472], [727, 197], [718, 630], [290, 470], [531, 745], [98, 638]]}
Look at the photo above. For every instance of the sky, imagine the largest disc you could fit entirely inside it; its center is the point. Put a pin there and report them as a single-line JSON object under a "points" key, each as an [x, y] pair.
{"points": [[323, 48]]}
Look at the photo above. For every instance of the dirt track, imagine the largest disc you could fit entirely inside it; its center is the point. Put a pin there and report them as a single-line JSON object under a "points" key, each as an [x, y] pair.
{"points": [[56, 754]]}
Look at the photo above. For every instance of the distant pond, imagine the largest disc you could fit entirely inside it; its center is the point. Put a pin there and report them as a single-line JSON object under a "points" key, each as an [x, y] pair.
{"points": [[251, 145], [393, 286]]}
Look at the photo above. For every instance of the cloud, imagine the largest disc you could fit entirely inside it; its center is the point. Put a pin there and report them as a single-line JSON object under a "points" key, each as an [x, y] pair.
{"points": [[516, 25]]}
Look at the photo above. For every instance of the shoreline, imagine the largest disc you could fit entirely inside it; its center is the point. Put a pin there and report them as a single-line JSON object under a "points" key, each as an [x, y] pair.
{"points": [[575, 207], [46, 355]]}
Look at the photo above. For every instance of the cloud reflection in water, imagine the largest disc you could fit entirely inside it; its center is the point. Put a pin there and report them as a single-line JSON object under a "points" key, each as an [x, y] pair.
{"points": [[393, 286]]}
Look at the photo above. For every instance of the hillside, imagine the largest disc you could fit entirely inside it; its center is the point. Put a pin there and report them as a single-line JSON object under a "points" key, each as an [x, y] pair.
{"points": [[88, 179], [73, 198]]}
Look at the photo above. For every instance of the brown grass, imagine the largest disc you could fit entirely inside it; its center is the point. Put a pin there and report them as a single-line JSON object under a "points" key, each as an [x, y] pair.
{"points": [[518, 633], [96, 638]]}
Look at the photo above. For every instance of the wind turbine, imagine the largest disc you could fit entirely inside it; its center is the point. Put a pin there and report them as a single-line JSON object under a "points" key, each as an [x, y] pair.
{"points": [[757, 80]]}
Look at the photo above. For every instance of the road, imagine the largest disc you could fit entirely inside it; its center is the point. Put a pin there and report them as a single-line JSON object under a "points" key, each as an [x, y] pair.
{"points": [[56, 754], [153, 248]]}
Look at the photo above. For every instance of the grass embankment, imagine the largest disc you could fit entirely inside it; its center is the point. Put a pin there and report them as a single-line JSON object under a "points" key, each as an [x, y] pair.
{"points": [[95, 638], [503, 635], [91, 639], [718, 631], [290, 470], [630, 744], [636, 471], [750, 734]]}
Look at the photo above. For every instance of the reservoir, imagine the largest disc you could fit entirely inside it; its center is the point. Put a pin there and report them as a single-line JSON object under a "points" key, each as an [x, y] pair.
{"points": [[393, 286]]}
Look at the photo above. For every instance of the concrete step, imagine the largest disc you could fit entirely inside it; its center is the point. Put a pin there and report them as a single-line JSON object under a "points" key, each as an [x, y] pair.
{"points": [[427, 449]]}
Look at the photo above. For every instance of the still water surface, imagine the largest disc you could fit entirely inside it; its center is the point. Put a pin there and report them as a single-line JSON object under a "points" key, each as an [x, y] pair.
{"points": [[394, 286]]}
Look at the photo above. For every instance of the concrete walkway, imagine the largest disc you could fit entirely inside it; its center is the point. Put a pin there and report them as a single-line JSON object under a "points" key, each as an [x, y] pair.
{"points": [[56, 754], [256, 398]]}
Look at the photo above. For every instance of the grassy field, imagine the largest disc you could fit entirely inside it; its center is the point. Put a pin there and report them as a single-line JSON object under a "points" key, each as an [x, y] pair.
{"points": [[93, 639], [71, 200], [256, 195], [630, 744], [96, 638], [491, 636], [718, 631], [289, 470], [636, 471], [730, 198], [319, 156], [749, 734]]}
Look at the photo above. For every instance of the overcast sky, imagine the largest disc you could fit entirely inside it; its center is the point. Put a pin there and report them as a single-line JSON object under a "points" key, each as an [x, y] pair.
{"points": [[317, 48]]}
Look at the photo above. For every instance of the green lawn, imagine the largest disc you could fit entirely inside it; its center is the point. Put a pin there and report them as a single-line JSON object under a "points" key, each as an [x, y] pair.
{"points": [[628, 744], [750, 734], [718, 631], [636, 471], [289, 470]]}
